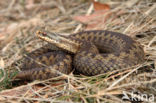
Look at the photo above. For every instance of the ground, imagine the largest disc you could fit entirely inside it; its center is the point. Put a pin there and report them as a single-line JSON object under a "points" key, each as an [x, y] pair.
{"points": [[19, 20]]}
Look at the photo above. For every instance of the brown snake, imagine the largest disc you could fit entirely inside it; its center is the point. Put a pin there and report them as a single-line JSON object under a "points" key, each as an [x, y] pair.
{"points": [[89, 52]]}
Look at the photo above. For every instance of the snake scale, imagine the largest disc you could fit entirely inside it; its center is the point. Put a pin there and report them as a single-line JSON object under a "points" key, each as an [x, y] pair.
{"points": [[88, 52]]}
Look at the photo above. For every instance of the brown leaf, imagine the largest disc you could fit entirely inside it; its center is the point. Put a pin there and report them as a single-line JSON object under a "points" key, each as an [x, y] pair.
{"points": [[95, 19], [98, 6], [87, 18]]}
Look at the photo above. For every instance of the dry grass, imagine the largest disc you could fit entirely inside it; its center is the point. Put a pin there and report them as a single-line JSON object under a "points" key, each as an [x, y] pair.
{"points": [[20, 19]]}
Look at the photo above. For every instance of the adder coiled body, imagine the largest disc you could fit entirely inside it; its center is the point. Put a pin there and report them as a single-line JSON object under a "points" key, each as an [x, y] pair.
{"points": [[93, 52]]}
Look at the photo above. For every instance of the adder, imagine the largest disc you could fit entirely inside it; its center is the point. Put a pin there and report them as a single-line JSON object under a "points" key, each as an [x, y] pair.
{"points": [[88, 52]]}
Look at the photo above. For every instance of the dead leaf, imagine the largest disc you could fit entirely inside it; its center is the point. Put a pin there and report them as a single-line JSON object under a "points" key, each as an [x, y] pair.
{"points": [[88, 18], [97, 18], [98, 6]]}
